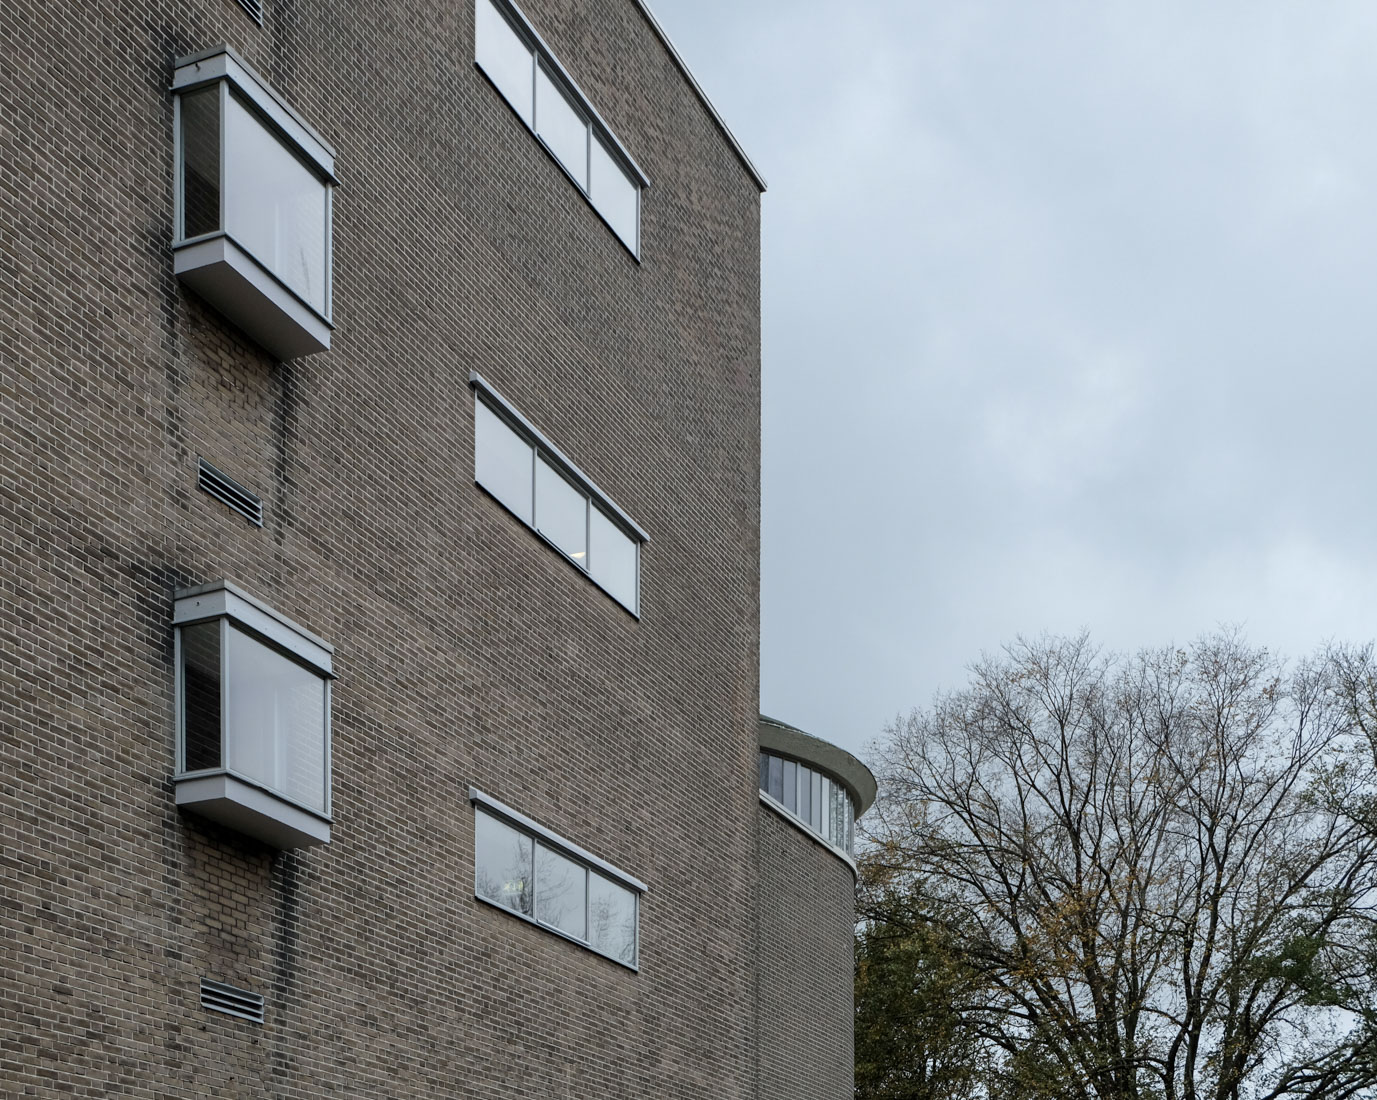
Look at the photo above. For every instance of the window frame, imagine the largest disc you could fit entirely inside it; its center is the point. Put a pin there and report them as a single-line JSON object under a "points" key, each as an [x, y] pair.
{"points": [[229, 606], [821, 782], [224, 69], [543, 448], [539, 835], [544, 59]]}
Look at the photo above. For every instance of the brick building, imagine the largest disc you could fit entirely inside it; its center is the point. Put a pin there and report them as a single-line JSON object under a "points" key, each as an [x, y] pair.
{"points": [[379, 529]]}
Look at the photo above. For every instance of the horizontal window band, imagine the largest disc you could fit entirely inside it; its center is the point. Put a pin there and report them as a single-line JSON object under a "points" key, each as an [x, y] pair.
{"points": [[554, 840], [634, 612], [802, 826], [550, 928], [525, 30], [601, 500]]}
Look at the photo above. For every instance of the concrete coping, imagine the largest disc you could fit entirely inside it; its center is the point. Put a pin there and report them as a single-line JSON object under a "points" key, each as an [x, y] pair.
{"points": [[786, 740]]}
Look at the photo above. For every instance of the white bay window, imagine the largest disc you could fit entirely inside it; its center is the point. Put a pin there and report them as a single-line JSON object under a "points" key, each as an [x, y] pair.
{"points": [[252, 215], [253, 717]]}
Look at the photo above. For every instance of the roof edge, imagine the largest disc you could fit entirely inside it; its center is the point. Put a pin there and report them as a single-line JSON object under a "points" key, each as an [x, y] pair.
{"points": [[776, 736], [679, 61]]}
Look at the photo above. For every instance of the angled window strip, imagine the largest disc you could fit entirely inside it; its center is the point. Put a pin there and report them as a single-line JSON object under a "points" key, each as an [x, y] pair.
{"points": [[544, 96], [529, 476], [530, 871]]}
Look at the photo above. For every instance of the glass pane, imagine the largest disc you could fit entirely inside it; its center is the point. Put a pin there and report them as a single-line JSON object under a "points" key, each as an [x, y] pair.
{"points": [[561, 893], [816, 818], [561, 512], [562, 128], [506, 59], [850, 842], [776, 787], [501, 863], [612, 918], [612, 555], [790, 785], [275, 720], [201, 161], [838, 824], [825, 825], [764, 772], [201, 696], [274, 204], [805, 793], [502, 461], [613, 193]]}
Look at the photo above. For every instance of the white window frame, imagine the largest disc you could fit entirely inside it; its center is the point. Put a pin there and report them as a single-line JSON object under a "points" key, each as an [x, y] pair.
{"points": [[257, 299], [544, 448], [545, 59], [539, 834], [222, 793], [830, 783]]}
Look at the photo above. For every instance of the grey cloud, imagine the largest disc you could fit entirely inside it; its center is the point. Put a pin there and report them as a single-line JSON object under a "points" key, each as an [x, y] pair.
{"points": [[1067, 323]]}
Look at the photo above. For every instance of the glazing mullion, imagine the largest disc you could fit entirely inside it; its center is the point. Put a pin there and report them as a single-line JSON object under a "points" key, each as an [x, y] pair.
{"points": [[224, 693]]}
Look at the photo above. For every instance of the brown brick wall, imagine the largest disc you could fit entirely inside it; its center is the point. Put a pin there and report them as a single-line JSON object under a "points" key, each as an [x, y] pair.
{"points": [[806, 927], [468, 652]]}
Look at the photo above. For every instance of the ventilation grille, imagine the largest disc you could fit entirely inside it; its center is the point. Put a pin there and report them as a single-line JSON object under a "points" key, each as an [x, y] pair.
{"points": [[219, 997], [254, 8], [229, 492]]}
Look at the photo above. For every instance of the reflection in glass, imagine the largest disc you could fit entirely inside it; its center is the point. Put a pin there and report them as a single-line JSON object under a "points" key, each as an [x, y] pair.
{"points": [[612, 557], [776, 787], [613, 193], [201, 161], [274, 205], [611, 918], [201, 696], [838, 823], [502, 864], [506, 59], [817, 800], [561, 127], [561, 512], [275, 719], [826, 824], [561, 892], [502, 461]]}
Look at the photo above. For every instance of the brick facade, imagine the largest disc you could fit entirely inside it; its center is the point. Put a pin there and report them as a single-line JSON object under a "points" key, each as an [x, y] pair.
{"points": [[807, 918], [468, 652]]}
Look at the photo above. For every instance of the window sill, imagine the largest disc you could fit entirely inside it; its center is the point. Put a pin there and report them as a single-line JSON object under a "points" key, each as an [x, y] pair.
{"points": [[239, 287], [251, 809]]}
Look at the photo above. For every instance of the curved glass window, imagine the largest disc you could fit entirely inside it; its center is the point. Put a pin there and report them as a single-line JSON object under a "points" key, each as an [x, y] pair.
{"points": [[811, 798]]}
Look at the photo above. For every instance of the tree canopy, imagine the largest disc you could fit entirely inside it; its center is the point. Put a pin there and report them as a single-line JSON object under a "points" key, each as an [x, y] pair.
{"points": [[1148, 877]]}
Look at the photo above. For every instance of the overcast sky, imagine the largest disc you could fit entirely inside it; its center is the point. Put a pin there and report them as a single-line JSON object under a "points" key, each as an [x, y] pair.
{"points": [[1070, 320]]}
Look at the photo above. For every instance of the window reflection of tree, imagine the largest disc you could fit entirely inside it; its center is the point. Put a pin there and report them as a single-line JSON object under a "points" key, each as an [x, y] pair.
{"points": [[508, 881], [612, 921], [562, 889]]}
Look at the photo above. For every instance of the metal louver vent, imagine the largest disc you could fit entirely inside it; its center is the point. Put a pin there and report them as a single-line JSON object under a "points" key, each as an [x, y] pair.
{"points": [[254, 8], [232, 1001], [229, 492]]}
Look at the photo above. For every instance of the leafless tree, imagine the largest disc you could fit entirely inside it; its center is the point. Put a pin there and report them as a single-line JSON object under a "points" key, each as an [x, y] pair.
{"points": [[1153, 863]]}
